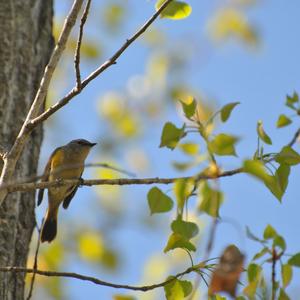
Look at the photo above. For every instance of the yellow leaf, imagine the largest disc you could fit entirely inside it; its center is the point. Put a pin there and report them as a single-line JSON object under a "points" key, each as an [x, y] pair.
{"points": [[91, 246]]}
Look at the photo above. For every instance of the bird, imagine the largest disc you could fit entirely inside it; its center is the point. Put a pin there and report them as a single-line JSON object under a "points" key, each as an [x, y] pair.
{"points": [[65, 162]]}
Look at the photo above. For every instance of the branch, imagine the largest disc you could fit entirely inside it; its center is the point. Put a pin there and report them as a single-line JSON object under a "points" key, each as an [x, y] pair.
{"points": [[78, 46], [99, 281], [10, 159], [111, 61], [24, 187], [295, 138], [35, 263]]}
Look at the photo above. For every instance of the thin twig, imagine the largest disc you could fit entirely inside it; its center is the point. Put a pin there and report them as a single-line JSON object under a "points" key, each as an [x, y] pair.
{"points": [[274, 259], [295, 138], [99, 281], [78, 46], [35, 264], [111, 61], [24, 187]]}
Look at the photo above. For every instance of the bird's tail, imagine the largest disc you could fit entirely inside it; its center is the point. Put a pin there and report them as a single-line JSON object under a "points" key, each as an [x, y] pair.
{"points": [[49, 228]]}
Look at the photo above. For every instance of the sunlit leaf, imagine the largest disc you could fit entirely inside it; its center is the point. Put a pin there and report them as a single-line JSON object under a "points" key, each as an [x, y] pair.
{"points": [[286, 274], [223, 144], [283, 295], [288, 156], [178, 241], [182, 190], [269, 232], [279, 242], [283, 121], [232, 23], [276, 184], [253, 272], [250, 289], [91, 246], [123, 297], [211, 200], [113, 15], [295, 260], [189, 148], [177, 289], [158, 201], [262, 134], [189, 108], [171, 135], [227, 109], [251, 236], [175, 10], [261, 253], [187, 229], [292, 100]]}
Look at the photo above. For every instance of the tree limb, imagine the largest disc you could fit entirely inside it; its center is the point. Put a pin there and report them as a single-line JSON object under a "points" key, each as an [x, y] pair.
{"points": [[99, 281], [24, 187]]}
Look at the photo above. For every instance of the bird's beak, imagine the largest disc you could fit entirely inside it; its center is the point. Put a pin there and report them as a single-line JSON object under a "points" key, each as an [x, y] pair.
{"points": [[93, 144]]}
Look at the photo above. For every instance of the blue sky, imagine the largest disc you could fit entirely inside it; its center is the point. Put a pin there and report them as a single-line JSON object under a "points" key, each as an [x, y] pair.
{"points": [[259, 79]]}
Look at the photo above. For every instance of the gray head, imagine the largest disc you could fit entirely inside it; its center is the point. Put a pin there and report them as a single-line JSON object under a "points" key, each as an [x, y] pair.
{"points": [[82, 142]]}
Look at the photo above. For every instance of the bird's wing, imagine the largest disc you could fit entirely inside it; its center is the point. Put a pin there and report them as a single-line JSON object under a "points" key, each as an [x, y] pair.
{"points": [[68, 199], [45, 176]]}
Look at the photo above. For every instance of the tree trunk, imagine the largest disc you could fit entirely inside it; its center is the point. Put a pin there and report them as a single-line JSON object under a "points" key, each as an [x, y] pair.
{"points": [[26, 43]]}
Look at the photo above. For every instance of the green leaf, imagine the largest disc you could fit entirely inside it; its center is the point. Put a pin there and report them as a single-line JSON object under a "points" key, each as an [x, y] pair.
{"points": [[295, 260], [276, 184], [211, 200], [262, 134], [257, 169], [189, 148], [288, 156], [187, 229], [283, 121], [291, 100], [182, 190], [270, 232], [177, 289], [158, 201], [178, 241], [282, 176], [171, 135], [260, 253], [123, 297], [283, 295], [189, 108], [253, 272], [223, 144], [227, 109], [176, 10], [250, 289], [279, 242], [286, 274], [251, 236]]}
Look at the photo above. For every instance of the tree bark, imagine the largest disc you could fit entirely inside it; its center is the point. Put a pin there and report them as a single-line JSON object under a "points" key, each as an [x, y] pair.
{"points": [[26, 44]]}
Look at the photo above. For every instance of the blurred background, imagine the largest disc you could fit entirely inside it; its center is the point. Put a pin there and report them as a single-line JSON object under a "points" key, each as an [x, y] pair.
{"points": [[225, 51]]}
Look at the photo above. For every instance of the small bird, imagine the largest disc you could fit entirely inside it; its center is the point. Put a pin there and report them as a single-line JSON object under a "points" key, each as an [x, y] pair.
{"points": [[66, 162]]}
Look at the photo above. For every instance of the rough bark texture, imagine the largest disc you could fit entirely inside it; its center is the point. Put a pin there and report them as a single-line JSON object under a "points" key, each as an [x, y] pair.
{"points": [[26, 43]]}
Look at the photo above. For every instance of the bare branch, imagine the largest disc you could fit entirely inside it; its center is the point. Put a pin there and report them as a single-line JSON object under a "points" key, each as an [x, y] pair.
{"points": [[78, 46], [111, 61], [24, 187], [12, 156], [295, 138], [99, 281], [35, 263]]}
